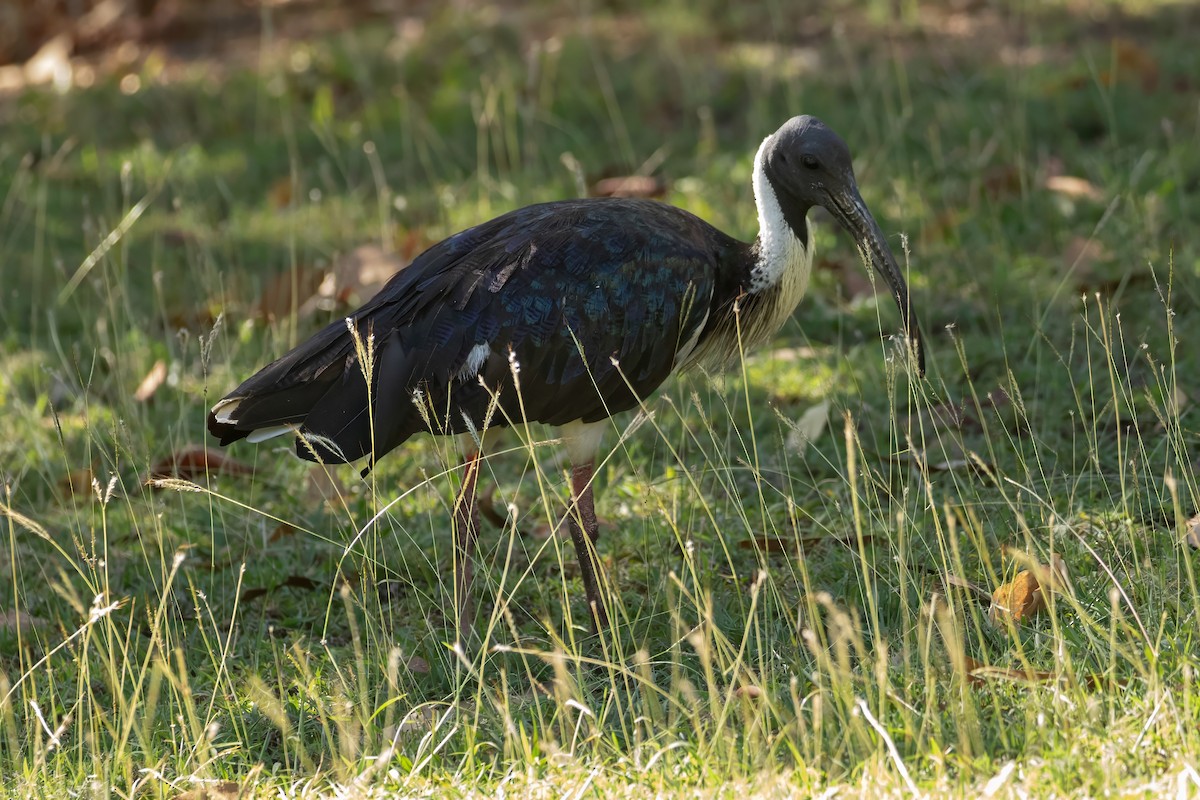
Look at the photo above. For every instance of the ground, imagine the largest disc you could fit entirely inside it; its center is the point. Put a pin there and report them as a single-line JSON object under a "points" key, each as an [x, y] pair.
{"points": [[803, 550]]}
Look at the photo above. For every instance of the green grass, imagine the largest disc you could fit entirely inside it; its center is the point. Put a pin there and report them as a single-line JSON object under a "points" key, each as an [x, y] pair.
{"points": [[791, 619]]}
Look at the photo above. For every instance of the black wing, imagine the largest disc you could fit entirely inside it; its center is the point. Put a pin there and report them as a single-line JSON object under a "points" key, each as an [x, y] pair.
{"points": [[590, 300]]}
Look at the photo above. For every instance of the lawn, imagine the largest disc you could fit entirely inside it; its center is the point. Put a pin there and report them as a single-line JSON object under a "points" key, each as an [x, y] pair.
{"points": [[803, 550]]}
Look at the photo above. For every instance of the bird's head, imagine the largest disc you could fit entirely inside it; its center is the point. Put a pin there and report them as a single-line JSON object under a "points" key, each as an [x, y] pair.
{"points": [[807, 165]]}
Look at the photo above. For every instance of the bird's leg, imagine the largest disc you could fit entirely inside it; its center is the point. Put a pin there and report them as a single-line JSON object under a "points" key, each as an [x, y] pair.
{"points": [[466, 530], [584, 531]]}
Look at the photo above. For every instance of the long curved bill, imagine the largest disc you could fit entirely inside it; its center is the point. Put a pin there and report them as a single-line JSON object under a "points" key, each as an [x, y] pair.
{"points": [[850, 210]]}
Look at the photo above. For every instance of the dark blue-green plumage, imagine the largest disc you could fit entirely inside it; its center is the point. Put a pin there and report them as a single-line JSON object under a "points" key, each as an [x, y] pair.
{"points": [[591, 299]]}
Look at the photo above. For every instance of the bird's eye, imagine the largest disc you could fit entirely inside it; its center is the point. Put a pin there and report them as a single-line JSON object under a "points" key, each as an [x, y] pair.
{"points": [[810, 161]]}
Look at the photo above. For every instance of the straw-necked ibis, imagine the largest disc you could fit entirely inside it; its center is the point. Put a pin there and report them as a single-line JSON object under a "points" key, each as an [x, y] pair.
{"points": [[594, 302]]}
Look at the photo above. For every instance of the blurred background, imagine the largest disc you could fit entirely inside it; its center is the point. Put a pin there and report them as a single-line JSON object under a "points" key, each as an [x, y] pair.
{"points": [[189, 187]]}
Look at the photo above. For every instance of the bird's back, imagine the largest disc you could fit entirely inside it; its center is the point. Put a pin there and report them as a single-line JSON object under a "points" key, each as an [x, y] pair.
{"points": [[589, 302]]}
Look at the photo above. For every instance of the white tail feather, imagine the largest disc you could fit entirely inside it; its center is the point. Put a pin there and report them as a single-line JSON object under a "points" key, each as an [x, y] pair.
{"points": [[262, 434], [224, 410]]}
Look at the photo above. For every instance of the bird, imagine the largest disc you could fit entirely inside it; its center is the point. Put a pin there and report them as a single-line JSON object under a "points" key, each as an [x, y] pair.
{"points": [[566, 313]]}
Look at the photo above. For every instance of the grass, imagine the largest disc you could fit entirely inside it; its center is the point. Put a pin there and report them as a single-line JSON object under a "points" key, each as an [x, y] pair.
{"points": [[790, 546]]}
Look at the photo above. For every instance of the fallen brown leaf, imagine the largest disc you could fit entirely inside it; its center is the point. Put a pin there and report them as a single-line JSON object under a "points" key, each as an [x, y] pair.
{"points": [[354, 278], [1027, 593], [1073, 187], [149, 385], [194, 461], [1020, 598], [630, 186], [748, 692]]}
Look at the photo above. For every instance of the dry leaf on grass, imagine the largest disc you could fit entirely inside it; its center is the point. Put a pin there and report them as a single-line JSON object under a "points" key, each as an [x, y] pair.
{"points": [[748, 692], [1073, 187], [1020, 598], [149, 385], [1027, 593], [195, 461], [354, 278], [351, 280], [630, 186]]}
